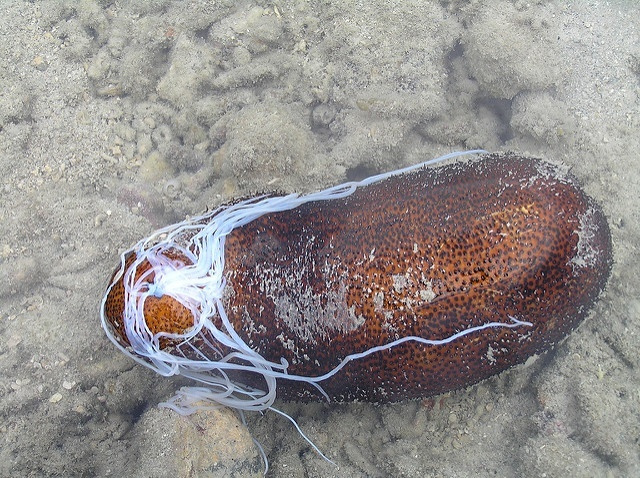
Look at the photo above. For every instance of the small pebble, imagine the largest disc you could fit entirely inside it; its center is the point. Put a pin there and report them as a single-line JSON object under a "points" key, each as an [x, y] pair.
{"points": [[68, 385], [5, 251], [99, 219], [55, 398], [150, 122], [39, 63]]}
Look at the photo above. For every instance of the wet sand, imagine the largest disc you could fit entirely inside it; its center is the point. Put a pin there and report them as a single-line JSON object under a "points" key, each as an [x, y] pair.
{"points": [[116, 119]]}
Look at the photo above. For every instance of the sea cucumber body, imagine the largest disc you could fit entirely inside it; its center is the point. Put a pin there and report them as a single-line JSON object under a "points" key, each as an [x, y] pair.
{"points": [[427, 253]]}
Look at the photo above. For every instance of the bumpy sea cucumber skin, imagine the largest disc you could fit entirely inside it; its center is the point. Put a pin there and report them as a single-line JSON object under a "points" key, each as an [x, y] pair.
{"points": [[427, 253]]}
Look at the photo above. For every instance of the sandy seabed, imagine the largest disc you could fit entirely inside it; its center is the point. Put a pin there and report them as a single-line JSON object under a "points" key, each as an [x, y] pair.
{"points": [[120, 117]]}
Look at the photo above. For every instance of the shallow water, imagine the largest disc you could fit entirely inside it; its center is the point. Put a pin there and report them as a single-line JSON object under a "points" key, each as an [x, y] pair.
{"points": [[116, 119]]}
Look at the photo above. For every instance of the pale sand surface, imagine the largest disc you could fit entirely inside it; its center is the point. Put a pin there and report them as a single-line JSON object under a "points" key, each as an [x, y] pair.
{"points": [[117, 118]]}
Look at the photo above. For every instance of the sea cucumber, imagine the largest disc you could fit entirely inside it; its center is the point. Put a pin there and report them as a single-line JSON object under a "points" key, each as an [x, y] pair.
{"points": [[404, 285]]}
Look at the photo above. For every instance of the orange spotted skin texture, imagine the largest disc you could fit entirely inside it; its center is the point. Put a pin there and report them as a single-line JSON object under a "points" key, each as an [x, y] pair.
{"points": [[427, 253], [163, 314]]}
